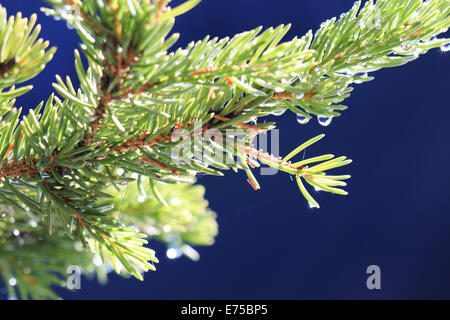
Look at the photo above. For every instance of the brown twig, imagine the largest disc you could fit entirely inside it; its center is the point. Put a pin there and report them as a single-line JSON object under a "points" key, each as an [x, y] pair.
{"points": [[100, 115], [288, 95], [159, 165], [282, 95], [132, 92]]}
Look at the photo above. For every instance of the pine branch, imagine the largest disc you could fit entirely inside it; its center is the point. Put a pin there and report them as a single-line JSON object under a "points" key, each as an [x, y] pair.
{"points": [[138, 102]]}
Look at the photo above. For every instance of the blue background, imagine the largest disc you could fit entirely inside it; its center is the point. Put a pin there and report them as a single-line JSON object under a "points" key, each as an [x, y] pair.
{"points": [[271, 245]]}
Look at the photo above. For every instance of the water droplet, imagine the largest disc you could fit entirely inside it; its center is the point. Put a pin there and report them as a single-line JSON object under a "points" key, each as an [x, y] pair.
{"points": [[97, 260], [12, 282], [312, 205], [324, 120], [302, 119], [16, 232], [406, 45], [78, 246], [278, 89], [300, 96], [360, 74], [173, 253], [445, 47]]}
